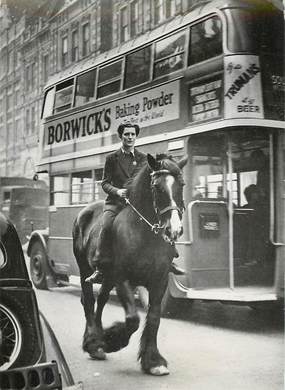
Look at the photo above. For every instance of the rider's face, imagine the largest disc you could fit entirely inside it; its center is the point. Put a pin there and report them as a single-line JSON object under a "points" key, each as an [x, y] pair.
{"points": [[129, 137]]}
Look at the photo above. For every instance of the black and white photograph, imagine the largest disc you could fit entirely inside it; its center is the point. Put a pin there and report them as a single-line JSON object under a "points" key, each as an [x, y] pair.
{"points": [[142, 194]]}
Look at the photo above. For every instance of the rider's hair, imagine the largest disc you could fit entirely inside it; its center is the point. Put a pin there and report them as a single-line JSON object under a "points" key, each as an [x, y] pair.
{"points": [[122, 127]]}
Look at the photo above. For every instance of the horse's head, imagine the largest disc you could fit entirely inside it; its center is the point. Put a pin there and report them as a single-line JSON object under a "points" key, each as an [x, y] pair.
{"points": [[167, 190]]}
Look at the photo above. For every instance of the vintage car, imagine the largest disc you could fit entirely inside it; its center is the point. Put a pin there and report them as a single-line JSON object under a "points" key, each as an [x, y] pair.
{"points": [[30, 356]]}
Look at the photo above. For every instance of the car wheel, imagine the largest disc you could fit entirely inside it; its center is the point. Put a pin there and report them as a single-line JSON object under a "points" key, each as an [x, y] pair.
{"points": [[39, 266], [17, 334]]}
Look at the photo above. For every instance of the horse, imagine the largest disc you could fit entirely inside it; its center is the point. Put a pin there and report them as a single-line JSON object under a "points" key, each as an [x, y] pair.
{"points": [[143, 238]]}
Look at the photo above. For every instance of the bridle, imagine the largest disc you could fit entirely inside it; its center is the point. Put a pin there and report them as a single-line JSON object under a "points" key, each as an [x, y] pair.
{"points": [[167, 208], [156, 227]]}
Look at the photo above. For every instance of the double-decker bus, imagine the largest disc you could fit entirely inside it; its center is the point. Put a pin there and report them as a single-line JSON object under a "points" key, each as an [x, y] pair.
{"points": [[209, 84], [25, 202]]}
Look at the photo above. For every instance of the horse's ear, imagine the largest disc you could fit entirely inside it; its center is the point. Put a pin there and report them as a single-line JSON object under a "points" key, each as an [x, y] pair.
{"points": [[183, 161], [151, 162]]}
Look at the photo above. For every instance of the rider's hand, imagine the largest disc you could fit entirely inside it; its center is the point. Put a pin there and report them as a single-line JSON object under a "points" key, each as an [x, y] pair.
{"points": [[122, 193]]}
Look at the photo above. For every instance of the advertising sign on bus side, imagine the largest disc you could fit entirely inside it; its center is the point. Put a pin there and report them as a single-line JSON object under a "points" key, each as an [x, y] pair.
{"points": [[153, 106]]}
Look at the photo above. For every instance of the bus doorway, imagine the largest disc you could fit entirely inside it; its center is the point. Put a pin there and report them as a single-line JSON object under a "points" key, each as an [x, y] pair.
{"points": [[229, 209]]}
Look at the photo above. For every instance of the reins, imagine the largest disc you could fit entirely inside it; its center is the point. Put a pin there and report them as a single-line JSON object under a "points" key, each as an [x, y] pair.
{"points": [[156, 227]]}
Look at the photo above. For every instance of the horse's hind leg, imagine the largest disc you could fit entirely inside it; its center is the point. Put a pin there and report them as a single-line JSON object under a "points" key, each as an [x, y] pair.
{"points": [[118, 335], [151, 360]]}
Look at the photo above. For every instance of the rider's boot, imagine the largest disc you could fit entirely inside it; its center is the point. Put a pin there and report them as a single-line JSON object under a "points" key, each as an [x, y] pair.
{"points": [[174, 267], [101, 259]]}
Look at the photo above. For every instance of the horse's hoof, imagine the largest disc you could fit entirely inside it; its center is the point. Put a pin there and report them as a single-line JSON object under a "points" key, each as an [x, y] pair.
{"points": [[99, 354], [159, 371]]}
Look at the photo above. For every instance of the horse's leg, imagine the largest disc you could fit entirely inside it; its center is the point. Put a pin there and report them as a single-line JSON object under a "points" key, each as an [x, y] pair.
{"points": [[93, 342], [118, 335], [151, 360], [102, 299]]}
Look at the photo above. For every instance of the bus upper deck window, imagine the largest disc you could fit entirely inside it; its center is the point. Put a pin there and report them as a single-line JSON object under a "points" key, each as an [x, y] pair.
{"points": [[205, 40], [170, 54], [48, 103], [138, 67], [63, 95], [85, 88], [109, 79], [254, 32]]}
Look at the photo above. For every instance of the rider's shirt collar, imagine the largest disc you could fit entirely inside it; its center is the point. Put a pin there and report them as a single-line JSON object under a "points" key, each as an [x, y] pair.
{"points": [[131, 152]]}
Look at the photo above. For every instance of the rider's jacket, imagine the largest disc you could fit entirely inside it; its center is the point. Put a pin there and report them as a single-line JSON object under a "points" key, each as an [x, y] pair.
{"points": [[119, 167]]}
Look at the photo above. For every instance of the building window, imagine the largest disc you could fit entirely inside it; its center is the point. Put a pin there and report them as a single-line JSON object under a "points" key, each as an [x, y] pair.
{"points": [[74, 46], [64, 52], [158, 11], [17, 97], [135, 25], [10, 61], [85, 40], [18, 131], [45, 68], [124, 24], [33, 120], [28, 78], [33, 75], [27, 120], [169, 8], [9, 102]]}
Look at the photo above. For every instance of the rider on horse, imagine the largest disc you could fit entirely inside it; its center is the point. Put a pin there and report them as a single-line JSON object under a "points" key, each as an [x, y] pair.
{"points": [[119, 167]]}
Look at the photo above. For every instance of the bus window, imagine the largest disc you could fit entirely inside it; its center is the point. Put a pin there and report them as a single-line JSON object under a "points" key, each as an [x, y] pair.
{"points": [[85, 88], [99, 193], [209, 168], [258, 34], [59, 190], [63, 95], [48, 103], [109, 79], [82, 187], [138, 67], [170, 54], [205, 40]]}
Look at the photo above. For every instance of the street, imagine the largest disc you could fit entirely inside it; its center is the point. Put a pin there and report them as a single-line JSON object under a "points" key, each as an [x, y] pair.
{"points": [[209, 347]]}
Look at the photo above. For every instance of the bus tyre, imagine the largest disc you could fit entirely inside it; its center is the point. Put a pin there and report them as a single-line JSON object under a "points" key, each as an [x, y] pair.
{"points": [[18, 334], [39, 266]]}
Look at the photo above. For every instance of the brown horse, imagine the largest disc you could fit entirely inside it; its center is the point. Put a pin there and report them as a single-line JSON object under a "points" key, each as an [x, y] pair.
{"points": [[144, 233]]}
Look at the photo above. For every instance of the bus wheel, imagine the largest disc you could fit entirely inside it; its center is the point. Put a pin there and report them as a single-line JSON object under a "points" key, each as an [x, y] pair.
{"points": [[39, 266], [18, 341]]}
